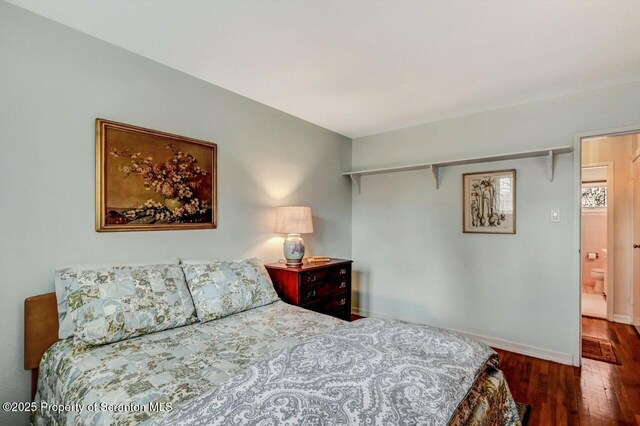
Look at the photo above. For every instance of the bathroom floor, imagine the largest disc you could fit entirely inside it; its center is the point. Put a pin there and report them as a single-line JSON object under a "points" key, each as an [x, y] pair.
{"points": [[594, 304]]}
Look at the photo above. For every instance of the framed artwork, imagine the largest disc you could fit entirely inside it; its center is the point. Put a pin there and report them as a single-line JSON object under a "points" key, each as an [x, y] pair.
{"points": [[489, 202], [148, 180], [594, 195]]}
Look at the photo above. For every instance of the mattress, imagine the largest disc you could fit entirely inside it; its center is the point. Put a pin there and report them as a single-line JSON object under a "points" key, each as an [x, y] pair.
{"points": [[142, 380]]}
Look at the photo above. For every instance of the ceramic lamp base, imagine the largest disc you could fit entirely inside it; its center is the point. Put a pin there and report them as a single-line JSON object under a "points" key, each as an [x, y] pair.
{"points": [[293, 248]]}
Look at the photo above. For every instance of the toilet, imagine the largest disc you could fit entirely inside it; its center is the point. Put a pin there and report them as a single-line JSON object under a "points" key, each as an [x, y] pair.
{"points": [[598, 275]]}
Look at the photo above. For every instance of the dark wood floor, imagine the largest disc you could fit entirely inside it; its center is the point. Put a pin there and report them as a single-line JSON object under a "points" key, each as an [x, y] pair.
{"points": [[597, 394]]}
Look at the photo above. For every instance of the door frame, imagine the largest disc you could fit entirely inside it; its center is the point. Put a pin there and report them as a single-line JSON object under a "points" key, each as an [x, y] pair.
{"points": [[577, 222], [610, 277], [635, 181]]}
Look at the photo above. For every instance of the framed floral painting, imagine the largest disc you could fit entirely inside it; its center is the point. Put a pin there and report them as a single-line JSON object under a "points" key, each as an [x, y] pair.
{"points": [[489, 202], [148, 180]]}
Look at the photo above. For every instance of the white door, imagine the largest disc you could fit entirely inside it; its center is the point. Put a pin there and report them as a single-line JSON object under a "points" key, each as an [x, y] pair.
{"points": [[636, 243]]}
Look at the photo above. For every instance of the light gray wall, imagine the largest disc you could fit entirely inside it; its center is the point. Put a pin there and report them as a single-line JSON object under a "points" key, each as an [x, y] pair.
{"points": [[415, 263], [54, 82]]}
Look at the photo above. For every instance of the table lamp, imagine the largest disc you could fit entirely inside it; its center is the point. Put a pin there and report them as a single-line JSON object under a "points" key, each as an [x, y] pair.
{"points": [[293, 220]]}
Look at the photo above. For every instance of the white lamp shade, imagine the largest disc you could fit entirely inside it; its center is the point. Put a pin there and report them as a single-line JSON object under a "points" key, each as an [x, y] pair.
{"points": [[293, 220]]}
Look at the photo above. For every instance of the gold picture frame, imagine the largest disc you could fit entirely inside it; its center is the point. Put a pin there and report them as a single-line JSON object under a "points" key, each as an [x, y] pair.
{"points": [[148, 180], [489, 202]]}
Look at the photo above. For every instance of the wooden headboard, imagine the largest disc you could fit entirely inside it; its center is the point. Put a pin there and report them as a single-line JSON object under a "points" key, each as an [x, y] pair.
{"points": [[40, 331]]}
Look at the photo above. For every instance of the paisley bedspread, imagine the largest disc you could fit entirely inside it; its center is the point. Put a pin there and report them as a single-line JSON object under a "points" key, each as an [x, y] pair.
{"points": [[368, 372], [278, 364]]}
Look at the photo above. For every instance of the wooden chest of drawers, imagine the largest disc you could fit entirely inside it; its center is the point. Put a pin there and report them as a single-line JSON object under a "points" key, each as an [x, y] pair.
{"points": [[321, 287]]}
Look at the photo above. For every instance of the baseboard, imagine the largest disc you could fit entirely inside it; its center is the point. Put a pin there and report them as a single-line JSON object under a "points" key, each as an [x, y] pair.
{"points": [[519, 348], [624, 319]]}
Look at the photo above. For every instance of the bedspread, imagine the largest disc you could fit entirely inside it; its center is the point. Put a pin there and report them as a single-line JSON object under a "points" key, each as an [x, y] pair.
{"points": [[368, 372]]}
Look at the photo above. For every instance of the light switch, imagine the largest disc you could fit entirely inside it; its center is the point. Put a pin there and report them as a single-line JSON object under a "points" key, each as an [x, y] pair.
{"points": [[555, 215]]}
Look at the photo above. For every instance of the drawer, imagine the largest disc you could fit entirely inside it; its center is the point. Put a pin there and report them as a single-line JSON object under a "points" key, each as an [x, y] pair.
{"points": [[313, 278], [324, 289], [319, 276], [343, 271], [342, 313], [336, 306]]}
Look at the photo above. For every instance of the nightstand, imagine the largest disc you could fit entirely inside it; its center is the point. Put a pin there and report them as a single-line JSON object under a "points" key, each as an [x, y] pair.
{"points": [[322, 287]]}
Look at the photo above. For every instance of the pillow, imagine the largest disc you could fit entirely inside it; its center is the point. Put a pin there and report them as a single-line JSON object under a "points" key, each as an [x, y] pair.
{"points": [[66, 326], [223, 288], [113, 304]]}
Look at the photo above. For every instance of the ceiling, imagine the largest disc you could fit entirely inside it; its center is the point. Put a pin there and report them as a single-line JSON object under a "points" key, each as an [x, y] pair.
{"points": [[360, 67]]}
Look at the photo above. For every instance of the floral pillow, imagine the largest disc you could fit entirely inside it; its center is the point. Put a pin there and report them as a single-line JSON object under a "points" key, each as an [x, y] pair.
{"points": [[67, 327], [112, 304], [223, 288]]}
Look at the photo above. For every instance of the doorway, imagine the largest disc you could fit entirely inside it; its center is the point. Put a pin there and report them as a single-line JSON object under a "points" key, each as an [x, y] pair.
{"points": [[597, 242], [608, 226]]}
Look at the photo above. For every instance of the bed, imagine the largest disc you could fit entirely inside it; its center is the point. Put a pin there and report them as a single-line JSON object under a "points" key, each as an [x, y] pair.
{"points": [[274, 364]]}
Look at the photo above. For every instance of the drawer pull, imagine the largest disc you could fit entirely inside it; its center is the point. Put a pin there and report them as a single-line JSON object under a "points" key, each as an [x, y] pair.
{"points": [[311, 278], [343, 271], [343, 284], [343, 302], [311, 294]]}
